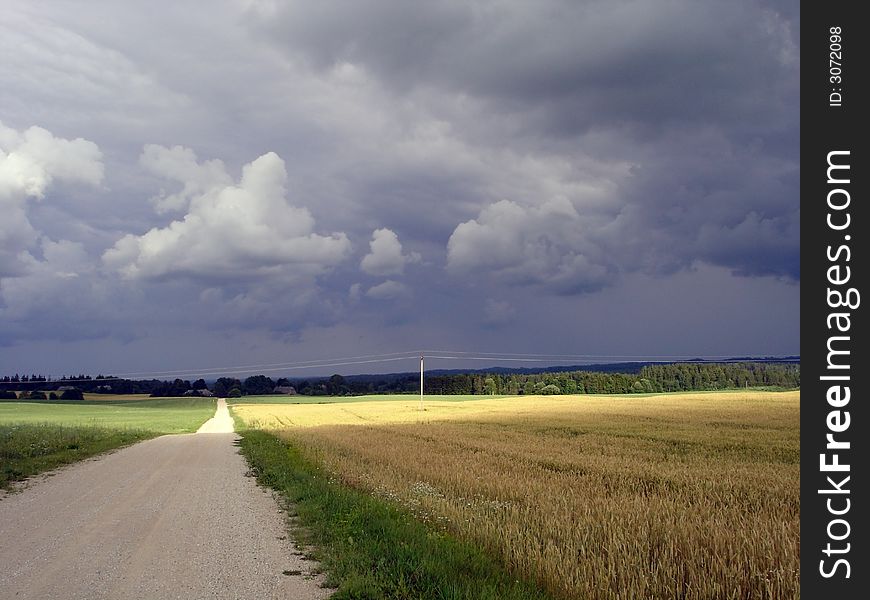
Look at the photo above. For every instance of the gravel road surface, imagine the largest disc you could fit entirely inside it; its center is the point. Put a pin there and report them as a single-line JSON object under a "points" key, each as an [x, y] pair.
{"points": [[172, 517]]}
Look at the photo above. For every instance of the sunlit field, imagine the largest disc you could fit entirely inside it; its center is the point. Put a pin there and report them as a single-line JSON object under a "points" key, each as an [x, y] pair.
{"points": [[666, 496], [406, 398], [162, 415]]}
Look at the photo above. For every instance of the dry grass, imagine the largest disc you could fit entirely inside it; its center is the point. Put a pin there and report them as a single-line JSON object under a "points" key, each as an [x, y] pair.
{"points": [[675, 496]]}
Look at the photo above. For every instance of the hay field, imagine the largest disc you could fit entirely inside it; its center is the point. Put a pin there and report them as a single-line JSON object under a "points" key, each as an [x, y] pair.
{"points": [[671, 496], [407, 398]]}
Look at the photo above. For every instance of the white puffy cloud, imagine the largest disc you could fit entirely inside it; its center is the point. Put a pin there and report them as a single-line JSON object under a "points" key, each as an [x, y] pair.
{"points": [[388, 290], [385, 256], [239, 230], [30, 161], [549, 244], [180, 164]]}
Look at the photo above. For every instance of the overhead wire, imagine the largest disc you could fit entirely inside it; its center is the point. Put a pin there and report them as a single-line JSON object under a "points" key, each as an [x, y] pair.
{"points": [[266, 365], [400, 356], [580, 356]]}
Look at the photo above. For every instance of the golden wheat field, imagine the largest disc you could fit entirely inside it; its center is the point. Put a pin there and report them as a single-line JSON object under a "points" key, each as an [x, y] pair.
{"points": [[604, 497]]}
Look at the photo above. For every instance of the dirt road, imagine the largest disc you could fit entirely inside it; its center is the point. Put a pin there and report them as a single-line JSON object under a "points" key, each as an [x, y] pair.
{"points": [[172, 517]]}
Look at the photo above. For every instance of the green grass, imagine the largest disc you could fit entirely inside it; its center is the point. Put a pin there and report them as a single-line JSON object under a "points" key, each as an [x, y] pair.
{"points": [[29, 449], [372, 549], [42, 435], [158, 415], [123, 397]]}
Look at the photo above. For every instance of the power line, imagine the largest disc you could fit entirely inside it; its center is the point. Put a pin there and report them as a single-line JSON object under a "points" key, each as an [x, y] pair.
{"points": [[223, 371], [209, 370], [581, 356], [399, 356], [292, 368], [548, 360], [247, 369]]}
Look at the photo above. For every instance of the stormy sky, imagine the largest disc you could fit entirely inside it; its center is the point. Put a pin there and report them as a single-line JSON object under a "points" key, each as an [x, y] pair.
{"points": [[265, 181]]}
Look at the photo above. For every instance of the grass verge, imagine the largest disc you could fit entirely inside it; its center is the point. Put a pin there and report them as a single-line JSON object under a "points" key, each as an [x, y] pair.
{"points": [[370, 548], [29, 449]]}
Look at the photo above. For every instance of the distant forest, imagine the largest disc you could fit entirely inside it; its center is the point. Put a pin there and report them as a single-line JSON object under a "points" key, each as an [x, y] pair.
{"points": [[677, 377]]}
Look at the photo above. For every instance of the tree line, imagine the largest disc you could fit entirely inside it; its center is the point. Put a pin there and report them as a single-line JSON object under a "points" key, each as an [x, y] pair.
{"points": [[679, 377], [675, 377]]}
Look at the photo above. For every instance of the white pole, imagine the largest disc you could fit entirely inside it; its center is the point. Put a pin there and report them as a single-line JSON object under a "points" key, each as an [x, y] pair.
{"points": [[421, 382]]}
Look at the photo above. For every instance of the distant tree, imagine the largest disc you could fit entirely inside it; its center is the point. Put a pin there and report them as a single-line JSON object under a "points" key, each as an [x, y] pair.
{"points": [[223, 386], [170, 389], [74, 394], [178, 387], [258, 385], [234, 393], [181, 386], [550, 389], [335, 385], [8, 395], [199, 384], [37, 396], [52, 396], [283, 382]]}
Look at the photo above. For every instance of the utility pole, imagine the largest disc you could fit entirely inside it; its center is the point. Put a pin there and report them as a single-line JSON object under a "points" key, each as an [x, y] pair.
{"points": [[421, 382]]}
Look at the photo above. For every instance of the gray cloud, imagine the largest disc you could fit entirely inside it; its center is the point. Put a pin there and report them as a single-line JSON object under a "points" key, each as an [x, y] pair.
{"points": [[690, 112], [388, 290], [683, 60], [538, 154], [30, 162], [64, 78], [180, 164], [546, 244], [498, 312]]}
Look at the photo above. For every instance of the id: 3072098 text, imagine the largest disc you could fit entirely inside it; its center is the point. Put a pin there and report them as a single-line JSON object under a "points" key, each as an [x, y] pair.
{"points": [[835, 66]]}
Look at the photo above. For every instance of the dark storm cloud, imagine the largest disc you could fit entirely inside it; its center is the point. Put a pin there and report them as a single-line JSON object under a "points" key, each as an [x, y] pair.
{"points": [[713, 199], [700, 98], [445, 167], [582, 63]]}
